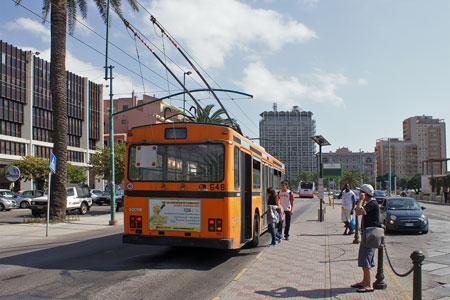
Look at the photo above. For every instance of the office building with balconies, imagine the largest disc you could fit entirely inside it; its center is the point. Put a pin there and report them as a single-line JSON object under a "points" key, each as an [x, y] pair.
{"points": [[287, 135], [26, 114]]}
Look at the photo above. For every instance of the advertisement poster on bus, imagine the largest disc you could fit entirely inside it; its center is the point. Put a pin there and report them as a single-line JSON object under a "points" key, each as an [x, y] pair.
{"points": [[176, 215]]}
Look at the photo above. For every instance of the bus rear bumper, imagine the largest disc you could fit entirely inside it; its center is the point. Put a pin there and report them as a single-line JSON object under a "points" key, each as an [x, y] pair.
{"points": [[177, 241]]}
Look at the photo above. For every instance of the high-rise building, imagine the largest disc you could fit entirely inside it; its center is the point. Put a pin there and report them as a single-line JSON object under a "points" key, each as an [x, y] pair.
{"points": [[429, 136], [364, 161], [403, 154], [287, 136], [26, 116]]}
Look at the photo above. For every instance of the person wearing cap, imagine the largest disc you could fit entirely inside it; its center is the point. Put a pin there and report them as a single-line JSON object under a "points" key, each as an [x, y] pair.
{"points": [[369, 209]]}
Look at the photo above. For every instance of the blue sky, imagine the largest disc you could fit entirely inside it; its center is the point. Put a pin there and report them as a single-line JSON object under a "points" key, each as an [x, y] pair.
{"points": [[361, 66]]}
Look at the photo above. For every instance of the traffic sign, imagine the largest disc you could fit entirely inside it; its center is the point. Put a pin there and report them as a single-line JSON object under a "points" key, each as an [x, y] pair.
{"points": [[12, 173], [332, 170], [53, 163]]}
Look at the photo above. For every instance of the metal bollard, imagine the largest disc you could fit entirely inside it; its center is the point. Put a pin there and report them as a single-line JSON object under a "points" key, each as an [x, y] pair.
{"points": [[417, 259], [356, 239], [379, 284]]}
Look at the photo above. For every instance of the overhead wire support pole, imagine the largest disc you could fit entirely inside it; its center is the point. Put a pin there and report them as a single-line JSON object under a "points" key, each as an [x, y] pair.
{"points": [[127, 24], [153, 19], [111, 125]]}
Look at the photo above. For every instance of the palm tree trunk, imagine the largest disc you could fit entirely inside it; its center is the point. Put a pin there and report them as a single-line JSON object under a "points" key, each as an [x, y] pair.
{"points": [[59, 94]]}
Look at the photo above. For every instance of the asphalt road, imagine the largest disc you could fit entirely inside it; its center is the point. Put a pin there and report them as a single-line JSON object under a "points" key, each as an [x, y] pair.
{"points": [[99, 266]]}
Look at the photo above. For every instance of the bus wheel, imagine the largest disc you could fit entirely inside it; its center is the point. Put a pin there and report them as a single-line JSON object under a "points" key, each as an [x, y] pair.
{"points": [[255, 240]]}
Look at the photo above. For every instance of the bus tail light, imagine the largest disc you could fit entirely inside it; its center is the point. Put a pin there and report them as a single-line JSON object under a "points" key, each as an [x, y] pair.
{"points": [[135, 222], [211, 225], [219, 225]]}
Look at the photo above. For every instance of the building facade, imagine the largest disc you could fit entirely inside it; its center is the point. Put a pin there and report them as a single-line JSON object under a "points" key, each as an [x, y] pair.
{"points": [[429, 136], [287, 135], [403, 157], [364, 161], [154, 112], [26, 116]]}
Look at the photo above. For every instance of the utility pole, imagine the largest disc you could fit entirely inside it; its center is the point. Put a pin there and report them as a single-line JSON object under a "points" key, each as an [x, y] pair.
{"points": [[112, 184], [389, 155]]}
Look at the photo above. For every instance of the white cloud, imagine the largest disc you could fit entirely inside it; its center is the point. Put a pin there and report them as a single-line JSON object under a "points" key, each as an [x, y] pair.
{"points": [[362, 81], [122, 84], [29, 25], [211, 30], [309, 2], [264, 85]]}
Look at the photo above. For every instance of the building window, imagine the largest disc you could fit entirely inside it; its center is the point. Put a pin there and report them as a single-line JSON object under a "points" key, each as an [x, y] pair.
{"points": [[124, 121]]}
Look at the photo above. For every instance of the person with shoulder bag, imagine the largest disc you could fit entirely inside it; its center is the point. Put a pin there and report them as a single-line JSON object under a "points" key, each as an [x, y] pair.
{"points": [[273, 205], [371, 235]]}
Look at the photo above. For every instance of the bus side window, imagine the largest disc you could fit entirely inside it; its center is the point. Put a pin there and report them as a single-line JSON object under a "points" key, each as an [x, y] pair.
{"points": [[236, 168]]}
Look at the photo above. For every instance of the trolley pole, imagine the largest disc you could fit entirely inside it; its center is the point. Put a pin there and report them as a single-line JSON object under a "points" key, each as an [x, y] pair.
{"points": [[111, 123]]}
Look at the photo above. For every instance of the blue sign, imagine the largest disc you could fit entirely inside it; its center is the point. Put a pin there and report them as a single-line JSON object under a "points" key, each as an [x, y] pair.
{"points": [[53, 163]]}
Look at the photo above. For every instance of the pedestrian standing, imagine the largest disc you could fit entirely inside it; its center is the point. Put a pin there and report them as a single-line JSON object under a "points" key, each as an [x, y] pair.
{"points": [[369, 209], [348, 205], [287, 205], [273, 205]]}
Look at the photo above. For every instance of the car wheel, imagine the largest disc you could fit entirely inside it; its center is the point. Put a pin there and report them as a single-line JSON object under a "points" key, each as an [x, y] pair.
{"points": [[2, 207], [24, 204], [83, 208]]}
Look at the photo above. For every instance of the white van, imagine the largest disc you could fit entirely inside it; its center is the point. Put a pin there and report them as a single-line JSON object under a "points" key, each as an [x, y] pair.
{"points": [[78, 198]]}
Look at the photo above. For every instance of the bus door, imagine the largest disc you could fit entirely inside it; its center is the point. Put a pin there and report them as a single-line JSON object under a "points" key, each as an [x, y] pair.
{"points": [[265, 185], [246, 197]]}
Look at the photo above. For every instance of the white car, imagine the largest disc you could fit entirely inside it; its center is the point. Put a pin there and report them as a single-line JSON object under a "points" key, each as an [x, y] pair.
{"points": [[78, 198]]}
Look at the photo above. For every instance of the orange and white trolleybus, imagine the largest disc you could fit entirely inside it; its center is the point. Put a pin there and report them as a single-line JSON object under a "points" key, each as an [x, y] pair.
{"points": [[194, 184]]}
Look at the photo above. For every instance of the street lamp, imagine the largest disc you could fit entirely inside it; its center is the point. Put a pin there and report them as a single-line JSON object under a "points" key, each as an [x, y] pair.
{"points": [[321, 141], [184, 95]]}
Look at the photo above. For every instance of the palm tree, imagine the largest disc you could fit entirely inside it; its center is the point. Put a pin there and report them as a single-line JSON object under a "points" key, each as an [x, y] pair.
{"points": [[63, 13], [205, 117]]}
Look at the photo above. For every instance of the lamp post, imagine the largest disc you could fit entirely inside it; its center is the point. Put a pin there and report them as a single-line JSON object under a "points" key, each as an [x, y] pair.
{"points": [[184, 95], [321, 141]]}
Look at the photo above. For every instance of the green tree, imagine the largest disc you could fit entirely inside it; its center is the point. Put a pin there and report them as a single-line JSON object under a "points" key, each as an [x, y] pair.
{"points": [[100, 162], [203, 117], [76, 174], [415, 182], [36, 168], [62, 16], [351, 177]]}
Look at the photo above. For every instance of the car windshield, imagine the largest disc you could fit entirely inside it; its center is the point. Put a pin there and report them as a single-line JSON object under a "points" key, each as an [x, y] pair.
{"points": [[97, 192], [379, 194], [403, 204], [7, 194]]}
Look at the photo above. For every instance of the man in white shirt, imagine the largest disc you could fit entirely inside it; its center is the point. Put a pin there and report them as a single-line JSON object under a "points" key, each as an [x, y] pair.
{"points": [[287, 205], [348, 205]]}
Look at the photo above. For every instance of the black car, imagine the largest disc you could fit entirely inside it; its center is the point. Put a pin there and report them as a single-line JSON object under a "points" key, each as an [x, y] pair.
{"points": [[105, 197], [380, 196], [403, 214]]}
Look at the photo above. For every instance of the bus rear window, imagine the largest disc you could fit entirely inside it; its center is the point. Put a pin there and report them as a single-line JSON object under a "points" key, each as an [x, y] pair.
{"points": [[306, 185], [177, 162]]}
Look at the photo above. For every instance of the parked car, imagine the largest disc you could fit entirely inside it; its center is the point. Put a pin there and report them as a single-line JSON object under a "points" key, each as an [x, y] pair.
{"points": [[27, 195], [120, 194], [105, 197], [8, 199], [78, 198], [95, 193], [403, 214], [380, 196]]}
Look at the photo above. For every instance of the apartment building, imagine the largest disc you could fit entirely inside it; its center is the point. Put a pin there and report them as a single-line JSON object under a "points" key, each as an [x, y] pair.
{"points": [[364, 161], [26, 116], [429, 136], [154, 112], [403, 157], [287, 136]]}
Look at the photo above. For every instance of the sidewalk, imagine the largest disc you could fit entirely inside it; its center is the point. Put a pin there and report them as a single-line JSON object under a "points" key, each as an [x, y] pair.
{"points": [[25, 233], [317, 262]]}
